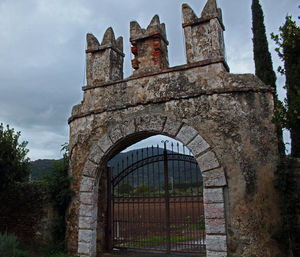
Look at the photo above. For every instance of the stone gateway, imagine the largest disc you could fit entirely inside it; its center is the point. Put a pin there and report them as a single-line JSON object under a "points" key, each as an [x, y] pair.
{"points": [[224, 119]]}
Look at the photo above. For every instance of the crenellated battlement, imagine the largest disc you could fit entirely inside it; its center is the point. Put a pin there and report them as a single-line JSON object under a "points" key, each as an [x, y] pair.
{"points": [[203, 40], [104, 62], [224, 120], [203, 36], [149, 47]]}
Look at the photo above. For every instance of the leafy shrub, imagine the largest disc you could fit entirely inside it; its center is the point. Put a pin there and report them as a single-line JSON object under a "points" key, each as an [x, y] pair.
{"points": [[14, 165], [63, 255], [10, 246], [57, 185]]}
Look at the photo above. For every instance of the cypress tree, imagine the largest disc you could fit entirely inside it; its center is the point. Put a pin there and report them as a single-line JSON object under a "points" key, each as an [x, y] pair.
{"points": [[263, 61], [262, 57], [289, 52]]}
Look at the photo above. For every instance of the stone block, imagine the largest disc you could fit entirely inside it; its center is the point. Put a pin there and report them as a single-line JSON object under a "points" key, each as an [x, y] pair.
{"points": [[104, 142], [95, 153], [90, 169], [85, 235], [216, 243], [87, 184], [215, 226], [87, 198], [198, 145], [127, 127], [83, 248], [208, 161], [86, 222], [214, 178], [213, 195], [171, 127], [216, 254], [115, 133], [94, 241], [150, 123], [214, 210], [186, 134], [86, 210]]}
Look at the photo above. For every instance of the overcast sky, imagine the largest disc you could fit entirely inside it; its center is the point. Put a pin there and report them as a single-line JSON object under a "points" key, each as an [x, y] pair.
{"points": [[42, 53]]}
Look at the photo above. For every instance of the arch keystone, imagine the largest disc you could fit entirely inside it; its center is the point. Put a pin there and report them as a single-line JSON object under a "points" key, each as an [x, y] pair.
{"points": [[150, 123], [171, 127]]}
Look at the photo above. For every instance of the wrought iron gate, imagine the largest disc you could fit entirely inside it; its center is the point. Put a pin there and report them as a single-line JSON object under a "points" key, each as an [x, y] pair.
{"points": [[155, 201]]}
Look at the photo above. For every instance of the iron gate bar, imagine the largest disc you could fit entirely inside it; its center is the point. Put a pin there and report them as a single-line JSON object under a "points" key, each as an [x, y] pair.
{"points": [[148, 160], [143, 214], [109, 210], [166, 171]]}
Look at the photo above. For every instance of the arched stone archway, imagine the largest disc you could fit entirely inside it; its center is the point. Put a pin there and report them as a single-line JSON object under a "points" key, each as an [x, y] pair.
{"points": [[223, 118], [213, 178]]}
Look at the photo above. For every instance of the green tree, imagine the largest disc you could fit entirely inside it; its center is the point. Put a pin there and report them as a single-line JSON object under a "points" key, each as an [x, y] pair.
{"points": [[14, 165], [125, 188], [57, 185], [288, 114], [262, 59], [142, 189]]}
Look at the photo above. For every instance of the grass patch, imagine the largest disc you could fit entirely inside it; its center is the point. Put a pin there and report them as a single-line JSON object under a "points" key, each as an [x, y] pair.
{"points": [[151, 241]]}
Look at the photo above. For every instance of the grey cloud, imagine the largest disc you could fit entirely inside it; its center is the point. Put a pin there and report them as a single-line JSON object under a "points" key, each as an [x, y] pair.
{"points": [[42, 56]]}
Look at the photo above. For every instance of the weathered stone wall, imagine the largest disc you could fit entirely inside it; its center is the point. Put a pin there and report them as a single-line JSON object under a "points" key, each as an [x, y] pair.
{"points": [[223, 118], [234, 121], [26, 212]]}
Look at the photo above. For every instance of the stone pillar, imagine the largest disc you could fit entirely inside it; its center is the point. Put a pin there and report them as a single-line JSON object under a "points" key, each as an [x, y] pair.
{"points": [[149, 47], [104, 62], [203, 36]]}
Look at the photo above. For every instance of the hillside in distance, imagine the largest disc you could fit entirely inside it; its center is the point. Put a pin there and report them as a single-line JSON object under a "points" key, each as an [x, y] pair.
{"points": [[39, 167], [178, 170], [152, 174]]}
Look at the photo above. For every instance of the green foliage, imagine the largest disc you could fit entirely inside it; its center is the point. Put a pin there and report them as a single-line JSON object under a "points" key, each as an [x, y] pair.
{"points": [[288, 113], [63, 255], [40, 167], [262, 56], [142, 189], [14, 165], [288, 202], [10, 246], [262, 59], [57, 185], [125, 189]]}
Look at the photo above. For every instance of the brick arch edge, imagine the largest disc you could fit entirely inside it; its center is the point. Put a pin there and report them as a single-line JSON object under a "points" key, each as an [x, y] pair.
{"points": [[213, 174]]}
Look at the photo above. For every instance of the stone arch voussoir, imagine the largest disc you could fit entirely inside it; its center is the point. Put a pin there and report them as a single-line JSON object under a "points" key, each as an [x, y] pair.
{"points": [[214, 179]]}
